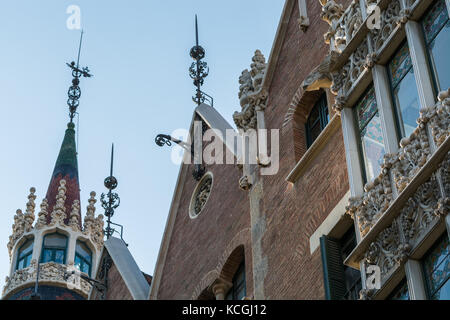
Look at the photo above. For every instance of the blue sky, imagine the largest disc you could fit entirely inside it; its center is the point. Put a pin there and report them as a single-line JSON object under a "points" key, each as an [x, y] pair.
{"points": [[138, 52]]}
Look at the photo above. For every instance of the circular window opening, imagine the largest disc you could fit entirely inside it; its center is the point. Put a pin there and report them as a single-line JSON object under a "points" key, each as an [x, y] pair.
{"points": [[201, 195]]}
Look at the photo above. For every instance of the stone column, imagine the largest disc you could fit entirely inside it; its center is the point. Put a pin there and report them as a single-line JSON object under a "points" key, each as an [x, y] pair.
{"points": [[422, 72], [354, 168], [220, 288], [385, 108], [414, 277]]}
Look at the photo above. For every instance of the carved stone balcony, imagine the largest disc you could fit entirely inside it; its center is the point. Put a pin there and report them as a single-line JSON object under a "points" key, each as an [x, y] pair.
{"points": [[409, 199], [49, 272]]}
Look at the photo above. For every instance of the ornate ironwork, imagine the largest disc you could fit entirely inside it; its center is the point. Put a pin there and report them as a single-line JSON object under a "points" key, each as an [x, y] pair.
{"points": [[74, 92], [199, 70], [111, 200]]}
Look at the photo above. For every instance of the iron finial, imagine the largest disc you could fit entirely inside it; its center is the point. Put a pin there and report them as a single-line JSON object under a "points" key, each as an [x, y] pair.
{"points": [[74, 92], [111, 200], [199, 69]]}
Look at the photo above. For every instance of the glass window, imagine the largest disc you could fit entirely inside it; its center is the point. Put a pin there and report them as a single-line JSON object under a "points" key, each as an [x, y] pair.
{"points": [[83, 258], [317, 120], [404, 90], [54, 248], [25, 254], [352, 276], [437, 270], [436, 26], [238, 290], [400, 292], [369, 125]]}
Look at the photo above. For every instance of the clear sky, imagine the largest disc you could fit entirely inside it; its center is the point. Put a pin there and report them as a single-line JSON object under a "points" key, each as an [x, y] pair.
{"points": [[138, 52]]}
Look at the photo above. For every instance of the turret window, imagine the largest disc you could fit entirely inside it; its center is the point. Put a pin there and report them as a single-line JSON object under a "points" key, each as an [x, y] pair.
{"points": [[54, 249], [83, 258], [25, 254]]}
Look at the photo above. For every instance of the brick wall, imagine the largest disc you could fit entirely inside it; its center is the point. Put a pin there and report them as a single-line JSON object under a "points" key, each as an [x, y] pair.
{"points": [[293, 213], [199, 248]]}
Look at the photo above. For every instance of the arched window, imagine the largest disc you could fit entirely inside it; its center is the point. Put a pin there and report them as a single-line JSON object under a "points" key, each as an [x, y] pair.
{"points": [[238, 290], [24, 255], [317, 120], [54, 248], [83, 258]]}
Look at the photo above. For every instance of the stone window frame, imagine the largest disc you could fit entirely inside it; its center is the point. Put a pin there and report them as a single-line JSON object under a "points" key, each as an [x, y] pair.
{"points": [[192, 213], [425, 86]]}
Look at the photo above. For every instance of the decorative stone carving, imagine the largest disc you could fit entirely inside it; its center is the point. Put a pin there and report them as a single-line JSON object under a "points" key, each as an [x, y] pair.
{"points": [[412, 156], [93, 226], [48, 272], [445, 175], [18, 229], [387, 251], [343, 25], [251, 94], [29, 214], [42, 216], [388, 21], [201, 195], [74, 221], [59, 211], [438, 118], [375, 201], [244, 184], [321, 76], [420, 210]]}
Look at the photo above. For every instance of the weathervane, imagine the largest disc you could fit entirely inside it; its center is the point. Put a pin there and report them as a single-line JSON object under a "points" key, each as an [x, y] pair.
{"points": [[199, 70], [113, 200], [74, 92]]}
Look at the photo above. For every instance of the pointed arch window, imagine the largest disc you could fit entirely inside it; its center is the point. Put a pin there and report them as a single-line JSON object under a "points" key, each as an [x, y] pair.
{"points": [[83, 258], [238, 290], [25, 254], [54, 248]]}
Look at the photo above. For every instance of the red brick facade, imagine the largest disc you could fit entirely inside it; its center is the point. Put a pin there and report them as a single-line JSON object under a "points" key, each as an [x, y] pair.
{"points": [[199, 248]]}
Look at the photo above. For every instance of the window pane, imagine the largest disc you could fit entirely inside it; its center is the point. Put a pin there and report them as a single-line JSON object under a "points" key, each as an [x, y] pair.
{"points": [[404, 88], [26, 248], [407, 102], [401, 292], [85, 268], [83, 251], [371, 134], [77, 262], [20, 264], [27, 261], [55, 240], [47, 255], [439, 50], [443, 293], [434, 20], [437, 270], [59, 256]]}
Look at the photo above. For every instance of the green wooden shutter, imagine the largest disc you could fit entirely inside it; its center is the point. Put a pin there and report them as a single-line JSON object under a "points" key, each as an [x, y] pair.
{"points": [[333, 268]]}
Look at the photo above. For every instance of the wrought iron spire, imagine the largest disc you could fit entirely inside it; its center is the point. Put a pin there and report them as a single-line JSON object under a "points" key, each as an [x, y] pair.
{"points": [[113, 200], [199, 69], [74, 92]]}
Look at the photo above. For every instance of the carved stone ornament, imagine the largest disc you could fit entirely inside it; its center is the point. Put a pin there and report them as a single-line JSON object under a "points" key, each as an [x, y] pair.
{"points": [[400, 168], [48, 272], [201, 195], [93, 226], [251, 95]]}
